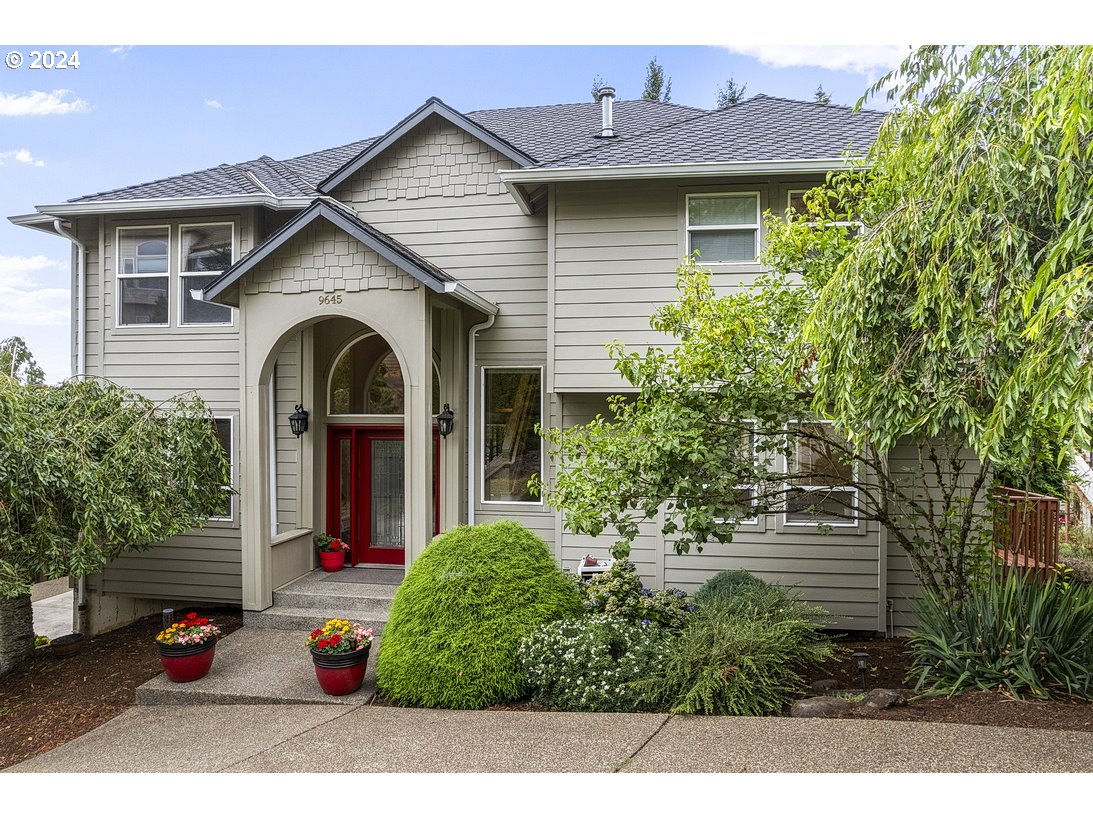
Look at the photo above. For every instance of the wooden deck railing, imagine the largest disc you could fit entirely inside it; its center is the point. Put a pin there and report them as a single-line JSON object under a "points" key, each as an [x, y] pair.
{"points": [[1026, 531]]}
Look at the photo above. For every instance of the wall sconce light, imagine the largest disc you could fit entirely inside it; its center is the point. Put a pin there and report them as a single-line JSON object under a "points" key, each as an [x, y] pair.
{"points": [[861, 660], [445, 421], [297, 422]]}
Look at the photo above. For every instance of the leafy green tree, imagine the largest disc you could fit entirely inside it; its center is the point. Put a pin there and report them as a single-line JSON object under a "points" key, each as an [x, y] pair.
{"points": [[89, 470], [17, 361], [821, 96], [950, 329], [730, 94], [658, 88]]}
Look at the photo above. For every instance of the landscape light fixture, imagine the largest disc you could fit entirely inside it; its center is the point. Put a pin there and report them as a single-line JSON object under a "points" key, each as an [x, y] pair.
{"points": [[297, 422], [861, 660], [445, 421]]}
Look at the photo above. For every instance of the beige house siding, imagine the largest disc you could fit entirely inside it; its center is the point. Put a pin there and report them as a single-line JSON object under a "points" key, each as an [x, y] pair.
{"points": [[437, 191], [616, 249], [161, 362], [288, 392]]}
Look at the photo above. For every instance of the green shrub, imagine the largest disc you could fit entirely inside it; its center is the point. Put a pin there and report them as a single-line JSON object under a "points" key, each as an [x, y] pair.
{"points": [[727, 584], [458, 617], [738, 656], [619, 592], [589, 663], [1030, 639]]}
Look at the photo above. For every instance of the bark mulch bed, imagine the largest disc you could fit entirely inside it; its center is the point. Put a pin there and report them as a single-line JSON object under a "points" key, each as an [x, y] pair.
{"points": [[48, 701], [889, 663]]}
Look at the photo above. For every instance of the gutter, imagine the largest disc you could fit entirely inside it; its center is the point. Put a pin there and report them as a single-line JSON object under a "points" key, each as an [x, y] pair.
{"points": [[79, 614], [177, 203], [472, 426]]}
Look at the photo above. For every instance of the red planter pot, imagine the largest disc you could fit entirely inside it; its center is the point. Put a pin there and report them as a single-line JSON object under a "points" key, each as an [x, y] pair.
{"points": [[341, 674], [187, 663], [332, 561]]}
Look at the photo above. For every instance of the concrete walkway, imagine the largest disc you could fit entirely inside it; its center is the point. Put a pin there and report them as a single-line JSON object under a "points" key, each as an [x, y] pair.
{"points": [[305, 738]]}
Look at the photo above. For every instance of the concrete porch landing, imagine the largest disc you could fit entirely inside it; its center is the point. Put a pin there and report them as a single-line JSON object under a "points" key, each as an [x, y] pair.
{"points": [[267, 662]]}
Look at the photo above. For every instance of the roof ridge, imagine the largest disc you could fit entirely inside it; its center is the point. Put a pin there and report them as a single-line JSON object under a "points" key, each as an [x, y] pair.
{"points": [[575, 104], [151, 182], [656, 130], [280, 167], [328, 150], [852, 109]]}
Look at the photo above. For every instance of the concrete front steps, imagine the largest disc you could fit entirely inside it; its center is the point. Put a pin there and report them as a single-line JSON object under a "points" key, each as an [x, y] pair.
{"points": [[307, 602], [267, 662]]}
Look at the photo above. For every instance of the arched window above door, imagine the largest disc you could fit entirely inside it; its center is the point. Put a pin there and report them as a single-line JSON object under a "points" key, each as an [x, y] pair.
{"points": [[367, 380]]}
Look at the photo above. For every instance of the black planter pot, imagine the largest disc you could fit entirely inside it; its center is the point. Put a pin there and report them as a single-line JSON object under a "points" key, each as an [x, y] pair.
{"points": [[346, 660], [185, 651], [67, 645]]}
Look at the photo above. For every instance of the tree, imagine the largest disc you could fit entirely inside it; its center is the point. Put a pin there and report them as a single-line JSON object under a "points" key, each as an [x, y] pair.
{"points": [[597, 84], [17, 362], [89, 470], [657, 87], [821, 96], [730, 94], [953, 326]]}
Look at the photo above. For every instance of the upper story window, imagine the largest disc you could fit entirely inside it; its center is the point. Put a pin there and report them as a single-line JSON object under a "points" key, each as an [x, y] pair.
{"points": [[206, 251], [146, 265], [723, 227], [796, 204], [143, 276]]}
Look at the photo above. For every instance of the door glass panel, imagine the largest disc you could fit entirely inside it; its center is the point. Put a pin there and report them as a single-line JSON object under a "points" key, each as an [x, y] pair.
{"points": [[387, 499], [345, 512]]}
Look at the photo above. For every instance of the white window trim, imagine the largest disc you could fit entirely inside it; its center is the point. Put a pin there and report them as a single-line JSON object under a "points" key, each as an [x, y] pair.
{"points": [[231, 464], [754, 520], [119, 275], [480, 455], [814, 523], [184, 275], [756, 228]]}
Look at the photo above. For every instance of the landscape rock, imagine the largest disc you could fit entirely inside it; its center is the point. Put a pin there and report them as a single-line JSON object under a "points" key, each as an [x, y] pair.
{"points": [[880, 698], [824, 685], [819, 707]]}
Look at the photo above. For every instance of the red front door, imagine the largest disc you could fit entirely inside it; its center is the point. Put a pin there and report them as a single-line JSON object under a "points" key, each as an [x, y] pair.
{"points": [[366, 491]]}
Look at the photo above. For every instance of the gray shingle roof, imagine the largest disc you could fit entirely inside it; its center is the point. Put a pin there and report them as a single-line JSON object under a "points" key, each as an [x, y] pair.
{"points": [[757, 129], [566, 135]]}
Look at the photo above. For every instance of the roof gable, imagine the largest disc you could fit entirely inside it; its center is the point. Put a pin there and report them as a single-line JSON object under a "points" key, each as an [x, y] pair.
{"points": [[432, 107]]}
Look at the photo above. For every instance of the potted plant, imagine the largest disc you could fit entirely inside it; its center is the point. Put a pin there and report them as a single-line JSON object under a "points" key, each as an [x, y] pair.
{"points": [[186, 648], [339, 650], [332, 552]]}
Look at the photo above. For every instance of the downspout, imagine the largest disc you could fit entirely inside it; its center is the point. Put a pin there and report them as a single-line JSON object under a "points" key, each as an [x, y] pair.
{"points": [[79, 618], [472, 425]]}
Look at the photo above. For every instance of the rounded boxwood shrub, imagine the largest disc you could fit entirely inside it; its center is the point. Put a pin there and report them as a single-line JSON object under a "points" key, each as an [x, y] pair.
{"points": [[727, 584], [460, 614], [589, 663]]}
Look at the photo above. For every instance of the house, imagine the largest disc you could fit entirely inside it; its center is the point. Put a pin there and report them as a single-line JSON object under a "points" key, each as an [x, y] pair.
{"points": [[473, 262]]}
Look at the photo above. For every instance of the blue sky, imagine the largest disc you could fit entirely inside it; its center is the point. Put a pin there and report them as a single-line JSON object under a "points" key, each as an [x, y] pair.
{"points": [[135, 113]]}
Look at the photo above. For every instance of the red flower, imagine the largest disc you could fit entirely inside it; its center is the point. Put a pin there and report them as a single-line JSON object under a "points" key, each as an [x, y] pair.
{"points": [[324, 643], [337, 638], [317, 632], [192, 615]]}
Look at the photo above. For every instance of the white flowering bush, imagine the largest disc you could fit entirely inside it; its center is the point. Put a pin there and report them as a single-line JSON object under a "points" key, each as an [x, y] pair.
{"points": [[589, 663]]}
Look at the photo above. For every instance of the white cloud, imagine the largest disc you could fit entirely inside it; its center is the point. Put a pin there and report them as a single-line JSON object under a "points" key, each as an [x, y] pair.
{"points": [[213, 103], [857, 59], [41, 103], [22, 156], [121, 51], [23, 297]]}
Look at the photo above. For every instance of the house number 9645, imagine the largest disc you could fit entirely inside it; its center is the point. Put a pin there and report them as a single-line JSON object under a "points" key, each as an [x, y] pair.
{"points": [[331, 298]]}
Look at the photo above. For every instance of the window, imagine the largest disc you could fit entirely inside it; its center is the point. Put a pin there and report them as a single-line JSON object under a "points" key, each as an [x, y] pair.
{"points": [[796, 203], [143, 276], [206, 251], [723, 227], [224, 436], [821, 472], [367, 380], [512, 451]]}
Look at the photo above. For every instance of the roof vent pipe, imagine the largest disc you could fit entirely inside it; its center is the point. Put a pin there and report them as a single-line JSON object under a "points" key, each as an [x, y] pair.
{"points": [[606, 96]]}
